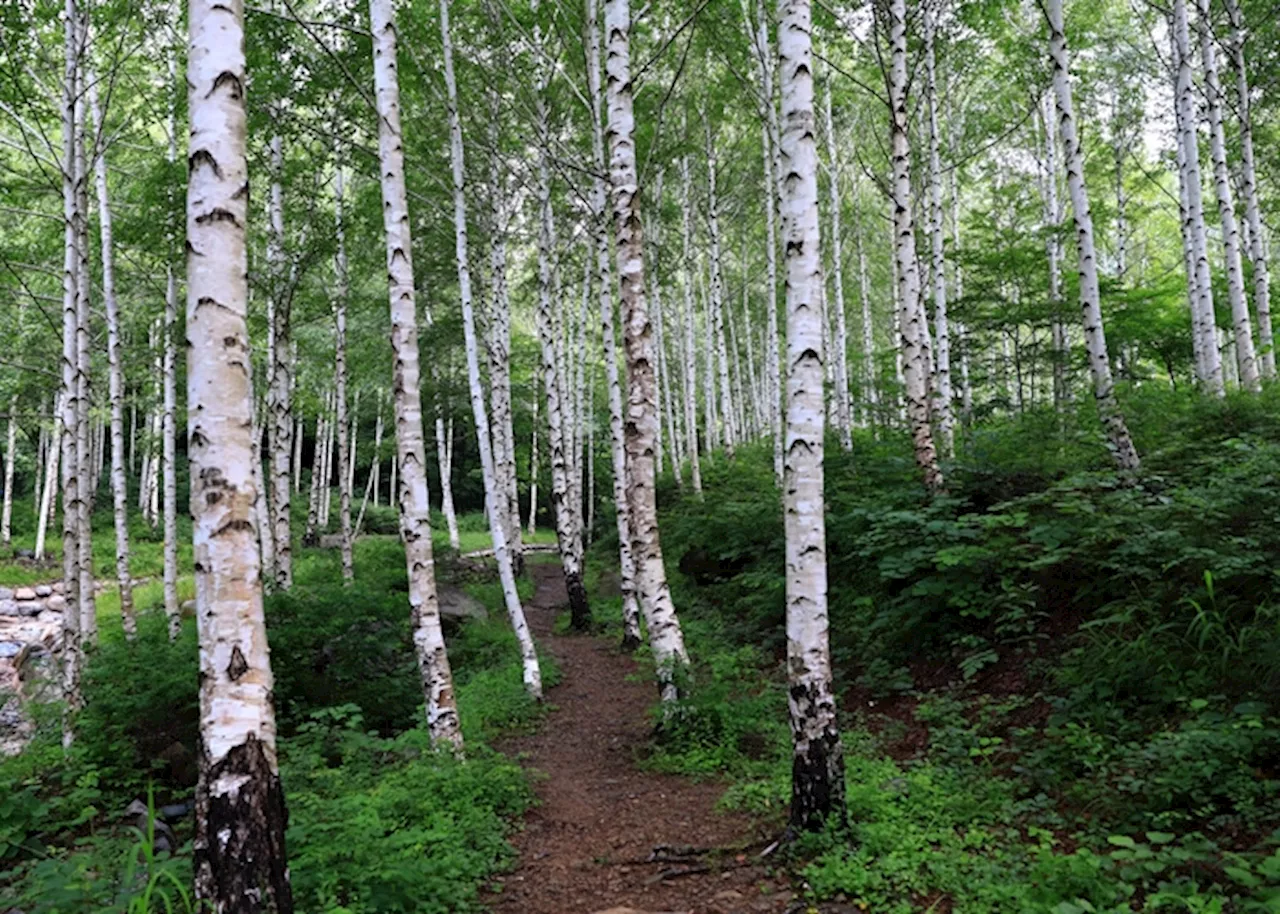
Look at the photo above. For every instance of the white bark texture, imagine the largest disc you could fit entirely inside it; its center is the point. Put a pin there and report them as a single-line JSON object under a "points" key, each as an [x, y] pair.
{"points": [[346, 455], [1119, 442], [115, 377], [280, 431], [769, 145], [169, 446], [444, 459], [839, 354], [1203, 320], [240, 817], [690, 347], [617, 446], [415, 509], [942, 330], [728, 433], [10, 451], [84, 462], [817, 771], [1242, 327], [665, 636], [911, 316], [1249, 181]]}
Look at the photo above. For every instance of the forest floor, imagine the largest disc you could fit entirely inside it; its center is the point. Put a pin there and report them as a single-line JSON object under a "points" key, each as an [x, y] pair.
{"points": [[607, 835]]}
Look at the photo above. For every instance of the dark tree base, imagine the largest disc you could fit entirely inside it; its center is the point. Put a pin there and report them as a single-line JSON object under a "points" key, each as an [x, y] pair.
{"points": [[817, 778], [579, 608], [517, 562], [239, 849], [630, 644]]}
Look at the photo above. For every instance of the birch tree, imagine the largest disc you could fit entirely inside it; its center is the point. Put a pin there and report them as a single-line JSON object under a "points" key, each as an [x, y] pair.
{"points": [[346, 455], [415, 509], [1120, 443], [240, 861], [817, 762], [280, 431], [665, 636], [942, 330], [840, 343]]}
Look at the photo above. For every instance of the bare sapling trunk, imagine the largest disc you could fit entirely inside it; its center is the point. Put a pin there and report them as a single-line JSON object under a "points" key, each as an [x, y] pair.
{"points": [[6, 513], [240, 865], [665, 636], [48, 497], [942, 348], [533, 469], [1120, 443], [444, 459], [84, 463], [280, 431], [817, 768], [840, 344], [911, 318], [115, 377], [690, 347], [415, 508], [169, 424], [728, 432]]}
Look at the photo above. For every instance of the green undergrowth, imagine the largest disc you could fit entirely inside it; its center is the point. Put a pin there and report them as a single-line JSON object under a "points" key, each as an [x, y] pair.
{"points": [[378, 821], [1057, 687]]}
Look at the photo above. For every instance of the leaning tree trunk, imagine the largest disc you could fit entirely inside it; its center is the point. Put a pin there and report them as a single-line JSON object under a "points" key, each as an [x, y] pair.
{"points": [[345, 452], [415, 509], [910, 309], [568, 532], [1246, 358], [665, 635], [1120, 442], [617, 446], [942, 336], [240, 862], [48, 498], [495, 497], [115, 377], [817, 762], [1249, 179], [1203, 319]]}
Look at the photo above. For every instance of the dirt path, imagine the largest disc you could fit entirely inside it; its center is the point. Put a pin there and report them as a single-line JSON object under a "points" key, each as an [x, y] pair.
{"points": [[585, 847]]}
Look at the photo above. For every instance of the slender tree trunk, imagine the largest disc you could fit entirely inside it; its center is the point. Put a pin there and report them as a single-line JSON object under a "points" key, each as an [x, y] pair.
{"points": [[48, 498], [240, 861], [1246, 358], [533, 468], [299, 432], [169, 446], [280, 431], [1203, 319], [839, 355], [262, 513], [415, 510], [1119, 441], [346, 456], [942, 348], [1249, 178], [817, 769], [444, 458], [10, 451], [665, 636], [717, 298], [309, 536], [690, 347], [84, 463], [666, 382], [871, 390], [119, 484], [617, 446], [910, 309]]}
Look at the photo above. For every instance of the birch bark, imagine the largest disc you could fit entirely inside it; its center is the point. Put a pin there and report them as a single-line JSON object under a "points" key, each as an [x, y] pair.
{"points": [[1119, 441], [415, 509], [690, 347], [817, 765], [345, 455], [839, 357], [240, 861], [1246, 357], [281, 429], [665, 636], [942, 330]]}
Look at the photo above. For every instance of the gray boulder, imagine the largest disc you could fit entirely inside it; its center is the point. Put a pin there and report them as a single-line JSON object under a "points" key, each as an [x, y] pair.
{"points": [[57, 603], [24, 593], [10, 649], [44, 590], [458, 605], [31, 607], [6, 593], [9, 607]]}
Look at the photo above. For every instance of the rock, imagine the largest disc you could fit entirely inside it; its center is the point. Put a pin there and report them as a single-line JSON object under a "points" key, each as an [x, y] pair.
{"points": [[458, 605], [9, 607], [59, 587], [330, 541], [23, 554], [6, 593], [187, 610], [27, 660], [57, 603], [10, 649], [44, 590], [24, 593], [163, 838], [727, 895], [31, 607]]}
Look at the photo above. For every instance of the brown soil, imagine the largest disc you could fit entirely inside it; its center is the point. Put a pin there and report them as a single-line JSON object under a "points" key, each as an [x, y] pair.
{"points": [[587, 845]]}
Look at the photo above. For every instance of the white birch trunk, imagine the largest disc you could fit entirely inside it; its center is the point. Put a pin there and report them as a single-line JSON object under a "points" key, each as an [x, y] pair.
{"points": [[169, 446], [494, 497], [10, 451], [690, 347], [1204, 323], [769, 145], [1246, 357], [617, 444], [240, 815], [729, 433], [48, 493], [533, 468], [839, 357], [1252, 210], [665, 636], [444, 458], [115, 377], [1120, 442], [942, 330], [415, 509], [84, 463], [817, 767], [910, 309], [280, 432], [346, 449], [262, 513]]}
